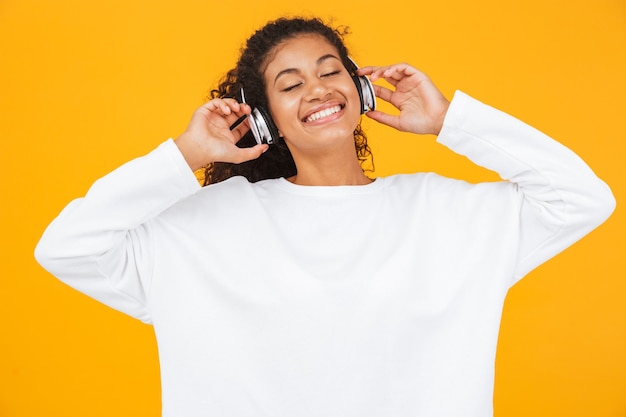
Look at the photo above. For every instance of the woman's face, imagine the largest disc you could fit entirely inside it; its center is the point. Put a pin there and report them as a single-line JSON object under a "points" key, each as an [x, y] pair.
{"points": [[311, 95]]}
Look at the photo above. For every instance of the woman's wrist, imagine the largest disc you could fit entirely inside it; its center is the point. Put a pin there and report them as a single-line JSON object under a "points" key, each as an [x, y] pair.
{"points": [[191, 151]]}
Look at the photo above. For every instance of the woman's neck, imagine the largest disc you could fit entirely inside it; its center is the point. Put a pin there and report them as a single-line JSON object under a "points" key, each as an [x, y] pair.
{"points": [[329, 170]]}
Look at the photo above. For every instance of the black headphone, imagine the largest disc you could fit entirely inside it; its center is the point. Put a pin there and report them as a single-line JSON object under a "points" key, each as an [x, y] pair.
{"points": [[264, 129]]}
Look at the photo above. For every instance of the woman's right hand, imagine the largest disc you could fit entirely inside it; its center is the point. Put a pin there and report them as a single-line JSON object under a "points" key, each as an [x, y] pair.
{"points": [[208, 137]]}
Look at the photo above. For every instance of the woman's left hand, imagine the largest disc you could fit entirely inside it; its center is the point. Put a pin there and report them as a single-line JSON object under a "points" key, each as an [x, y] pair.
{"points": [[421, 104]]}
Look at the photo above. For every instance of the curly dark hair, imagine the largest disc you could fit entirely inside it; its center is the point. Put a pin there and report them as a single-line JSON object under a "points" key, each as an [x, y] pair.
{"points": [[277, 161]]}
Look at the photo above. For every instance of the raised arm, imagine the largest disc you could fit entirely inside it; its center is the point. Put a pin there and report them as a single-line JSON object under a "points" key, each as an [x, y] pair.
{"points": [[561, 197], [101, 244]]}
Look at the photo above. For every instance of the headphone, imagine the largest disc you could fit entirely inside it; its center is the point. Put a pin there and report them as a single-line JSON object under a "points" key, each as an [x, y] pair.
{"points": [[264, 129]]}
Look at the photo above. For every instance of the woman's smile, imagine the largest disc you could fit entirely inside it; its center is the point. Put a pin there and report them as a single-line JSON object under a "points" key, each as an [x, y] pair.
{"points": [[312, 97], [323, 115]]}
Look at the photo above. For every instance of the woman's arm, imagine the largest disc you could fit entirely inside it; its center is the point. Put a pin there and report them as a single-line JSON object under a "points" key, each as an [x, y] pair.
{"points": [[101, 244], [561, 198]]}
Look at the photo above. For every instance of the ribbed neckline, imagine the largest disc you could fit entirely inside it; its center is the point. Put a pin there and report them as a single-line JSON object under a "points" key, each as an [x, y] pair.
{"points": [[325, 190]]}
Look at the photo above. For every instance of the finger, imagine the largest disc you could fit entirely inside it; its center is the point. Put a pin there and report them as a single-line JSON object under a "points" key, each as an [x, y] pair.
{"points": [[248, 154], [222, 106], [388, 74], [237, 116], [383, 93], [397, 72], [368, 70], [239, 131], [236, 106], [393, 75], [230, 101], [374, 72], [384, 118], [225, 108]]}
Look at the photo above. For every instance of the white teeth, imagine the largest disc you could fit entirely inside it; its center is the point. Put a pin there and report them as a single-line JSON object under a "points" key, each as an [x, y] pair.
{"points": [[323, 113]]}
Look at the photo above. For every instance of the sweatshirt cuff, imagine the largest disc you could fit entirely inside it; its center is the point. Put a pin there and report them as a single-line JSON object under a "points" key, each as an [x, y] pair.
{"points": [[179, 164], [489, 137], [460, 106]]}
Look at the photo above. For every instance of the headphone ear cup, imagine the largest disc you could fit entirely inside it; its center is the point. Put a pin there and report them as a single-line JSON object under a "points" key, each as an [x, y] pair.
{"points": [[364, 87], [262, 126], [369, 94], [366, 93]]}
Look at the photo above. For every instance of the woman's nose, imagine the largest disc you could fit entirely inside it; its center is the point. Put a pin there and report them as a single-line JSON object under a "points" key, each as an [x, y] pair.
{"points": [[316, 90]]}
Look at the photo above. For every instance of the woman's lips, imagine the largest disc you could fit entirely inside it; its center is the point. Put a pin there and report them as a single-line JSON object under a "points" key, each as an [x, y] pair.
{"points": [[325, 112]]}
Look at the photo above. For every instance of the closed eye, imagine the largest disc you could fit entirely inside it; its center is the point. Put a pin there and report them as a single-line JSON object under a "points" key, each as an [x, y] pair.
{"points": [[331, 73], [291, 87], [294, 86]]}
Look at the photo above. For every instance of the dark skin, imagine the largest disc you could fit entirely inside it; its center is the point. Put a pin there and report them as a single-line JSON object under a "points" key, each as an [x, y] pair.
{"points": [[422, 109]]}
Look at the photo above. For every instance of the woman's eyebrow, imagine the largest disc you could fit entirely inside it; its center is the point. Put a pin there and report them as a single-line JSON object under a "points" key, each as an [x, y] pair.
{"points": [[296, 70]]}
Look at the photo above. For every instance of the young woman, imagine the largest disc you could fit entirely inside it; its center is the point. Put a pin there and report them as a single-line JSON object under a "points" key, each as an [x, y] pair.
{"points": [[295, 285]]}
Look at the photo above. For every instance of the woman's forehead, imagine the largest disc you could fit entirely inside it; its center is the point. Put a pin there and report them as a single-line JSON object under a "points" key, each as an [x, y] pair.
{"points": [[294, 51]]}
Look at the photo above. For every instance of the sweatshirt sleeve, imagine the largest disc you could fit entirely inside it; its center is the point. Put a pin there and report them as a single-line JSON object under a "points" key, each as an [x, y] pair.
{"points": [[100, 244], [561, 198]]}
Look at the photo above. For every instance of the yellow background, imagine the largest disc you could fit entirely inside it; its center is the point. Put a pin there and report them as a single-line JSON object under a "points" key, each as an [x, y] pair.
{"points": [[88, 85]]}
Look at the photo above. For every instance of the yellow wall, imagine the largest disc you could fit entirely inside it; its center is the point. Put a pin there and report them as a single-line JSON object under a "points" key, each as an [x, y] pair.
{"points": [[87, 85]]}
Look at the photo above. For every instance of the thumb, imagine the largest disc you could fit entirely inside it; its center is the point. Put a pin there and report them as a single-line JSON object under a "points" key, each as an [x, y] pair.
{"points": [[248, 154]]}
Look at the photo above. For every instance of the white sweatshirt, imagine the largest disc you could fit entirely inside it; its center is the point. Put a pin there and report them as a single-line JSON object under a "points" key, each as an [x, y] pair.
{"points": [[382, 300]]}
